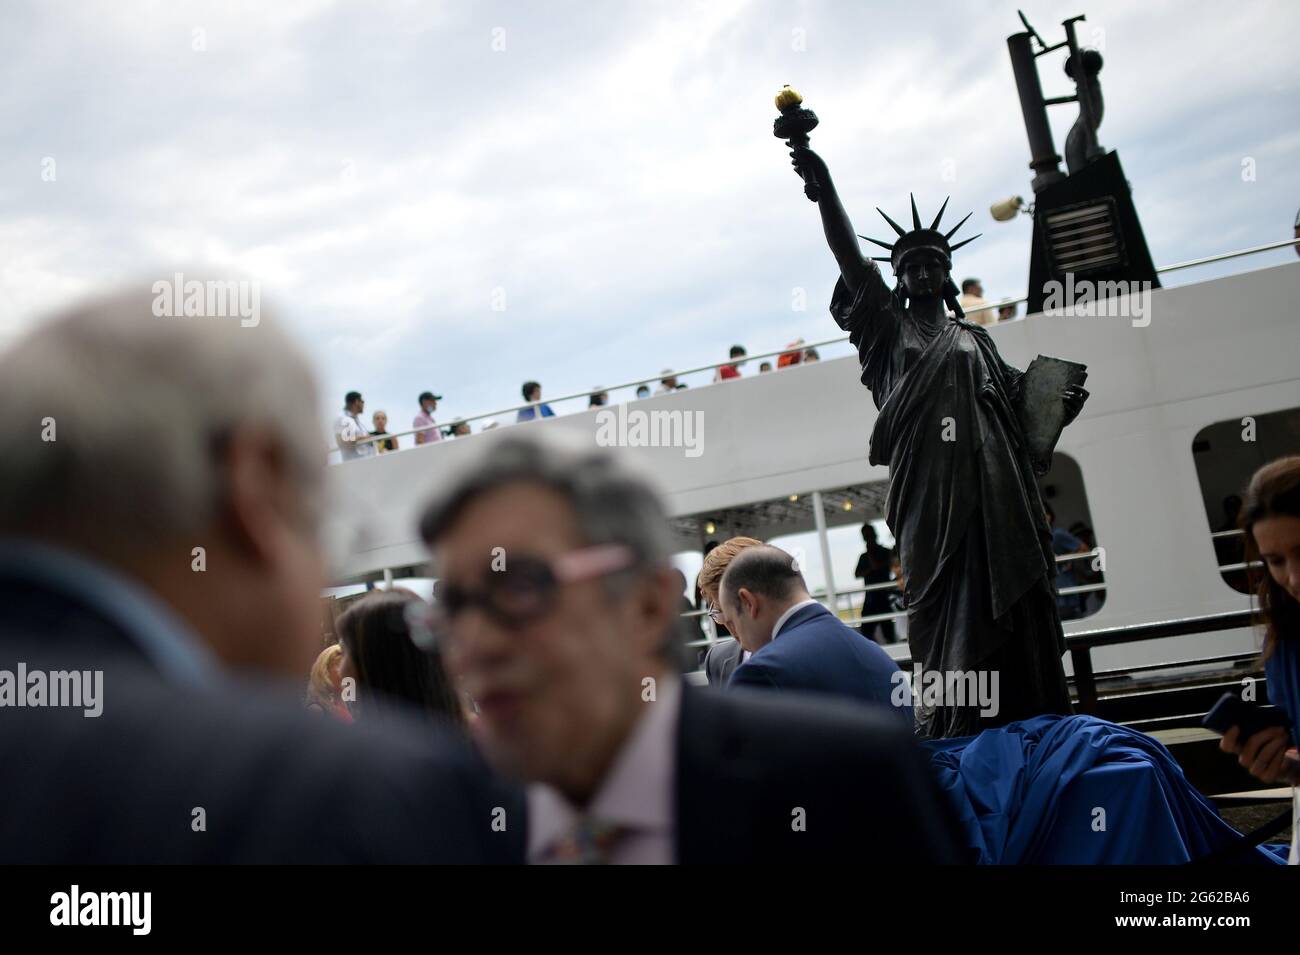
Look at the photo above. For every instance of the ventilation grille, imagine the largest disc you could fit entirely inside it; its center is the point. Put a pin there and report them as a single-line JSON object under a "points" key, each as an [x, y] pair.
{"points": [[1084, 238]]}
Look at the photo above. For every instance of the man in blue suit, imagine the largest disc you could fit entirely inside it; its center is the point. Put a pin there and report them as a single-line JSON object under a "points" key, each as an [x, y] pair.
{"points": [[796, 643]]}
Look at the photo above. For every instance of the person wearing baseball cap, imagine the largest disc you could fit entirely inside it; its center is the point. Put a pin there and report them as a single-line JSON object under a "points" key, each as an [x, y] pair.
{"points": [[428, 405]]}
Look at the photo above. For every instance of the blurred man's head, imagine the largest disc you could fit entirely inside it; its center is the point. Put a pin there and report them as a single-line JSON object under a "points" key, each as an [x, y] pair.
{"points": [[761, 583], [715, 565], [972, 287], [428, 402], [532, 391], [353, 403], [135, 440], [555, 601], [737, 351]]}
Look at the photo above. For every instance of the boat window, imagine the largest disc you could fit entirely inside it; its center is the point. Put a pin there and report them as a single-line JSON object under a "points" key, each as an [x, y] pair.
{"points": [[1226, 454], [1080, 557]]}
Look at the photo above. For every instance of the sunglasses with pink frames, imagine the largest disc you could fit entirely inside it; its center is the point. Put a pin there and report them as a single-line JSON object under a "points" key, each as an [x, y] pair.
{"points": [[524, 591]]}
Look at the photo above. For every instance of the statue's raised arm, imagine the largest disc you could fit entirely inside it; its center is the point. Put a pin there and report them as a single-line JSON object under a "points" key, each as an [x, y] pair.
{"points": [[793, 125], [841, 238]]}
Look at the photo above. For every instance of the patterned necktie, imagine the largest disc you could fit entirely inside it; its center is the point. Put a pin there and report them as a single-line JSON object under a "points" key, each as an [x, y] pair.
{"points": [[588, 843]]}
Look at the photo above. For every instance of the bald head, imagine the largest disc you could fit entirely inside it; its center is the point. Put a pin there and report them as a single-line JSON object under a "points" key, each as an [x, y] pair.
{"points": [[760, 584], [764, 570]]}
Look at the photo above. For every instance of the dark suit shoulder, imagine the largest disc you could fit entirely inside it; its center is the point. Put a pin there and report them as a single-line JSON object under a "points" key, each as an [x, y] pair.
{"points": [[770, 777], [778, 721], [231, 771], [238, 774]]}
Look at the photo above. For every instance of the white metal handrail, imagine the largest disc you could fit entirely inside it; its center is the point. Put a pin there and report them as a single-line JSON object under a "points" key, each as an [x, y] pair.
{"points": [[637, 383]]}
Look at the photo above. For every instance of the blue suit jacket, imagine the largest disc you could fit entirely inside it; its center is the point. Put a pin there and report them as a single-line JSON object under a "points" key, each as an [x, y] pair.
{"points": [[816, 653]]}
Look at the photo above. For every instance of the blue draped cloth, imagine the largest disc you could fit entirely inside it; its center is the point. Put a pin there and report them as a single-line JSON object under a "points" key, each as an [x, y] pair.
{"points": [[1077, 790]]}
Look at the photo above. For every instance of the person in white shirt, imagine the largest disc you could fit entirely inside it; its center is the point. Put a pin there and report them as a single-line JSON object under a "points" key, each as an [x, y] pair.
{"points": [[972, 297], [348, 429]]}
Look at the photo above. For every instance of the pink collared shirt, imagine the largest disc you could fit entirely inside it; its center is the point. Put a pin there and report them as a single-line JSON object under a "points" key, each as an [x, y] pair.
{"points": [[637, 793], [431, 432]]}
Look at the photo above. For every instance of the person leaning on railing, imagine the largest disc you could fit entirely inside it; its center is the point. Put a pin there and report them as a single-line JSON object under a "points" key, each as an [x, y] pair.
{"points": [[387, 442], [532, 392], [428, 402], [1271, 522]]}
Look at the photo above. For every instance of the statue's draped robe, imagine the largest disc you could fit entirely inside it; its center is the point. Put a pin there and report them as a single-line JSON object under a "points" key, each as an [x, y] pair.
{"points": [[963, 507]]}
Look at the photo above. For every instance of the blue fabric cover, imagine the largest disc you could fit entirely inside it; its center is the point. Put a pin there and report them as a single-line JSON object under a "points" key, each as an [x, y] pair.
{"points": [[1076, 790]]}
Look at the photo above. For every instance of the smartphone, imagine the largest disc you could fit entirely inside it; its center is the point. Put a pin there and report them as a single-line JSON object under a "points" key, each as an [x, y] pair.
{"points": [[1232, 710]]}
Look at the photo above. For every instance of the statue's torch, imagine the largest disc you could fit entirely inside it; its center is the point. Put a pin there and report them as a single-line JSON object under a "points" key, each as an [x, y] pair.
{"points": [[793, 125]]}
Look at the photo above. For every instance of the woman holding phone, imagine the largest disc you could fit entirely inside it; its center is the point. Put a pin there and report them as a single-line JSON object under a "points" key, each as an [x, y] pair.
{"points": [[1270, 518]]}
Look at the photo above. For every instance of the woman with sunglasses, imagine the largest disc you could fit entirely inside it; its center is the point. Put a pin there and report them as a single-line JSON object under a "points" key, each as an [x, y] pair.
{"points": [[1270, 518]]}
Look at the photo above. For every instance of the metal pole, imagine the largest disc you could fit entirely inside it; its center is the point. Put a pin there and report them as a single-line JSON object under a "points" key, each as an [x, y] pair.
{"points": [[1044, 160], [825, 543]]}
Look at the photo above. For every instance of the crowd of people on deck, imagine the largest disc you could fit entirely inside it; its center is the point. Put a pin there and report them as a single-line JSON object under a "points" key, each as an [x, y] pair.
{"points": [[355, 438], [533, 711]]}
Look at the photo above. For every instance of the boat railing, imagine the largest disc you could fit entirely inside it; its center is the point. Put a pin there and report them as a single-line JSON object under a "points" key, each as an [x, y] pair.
{"points": [[1081, 644], [787, 349]]}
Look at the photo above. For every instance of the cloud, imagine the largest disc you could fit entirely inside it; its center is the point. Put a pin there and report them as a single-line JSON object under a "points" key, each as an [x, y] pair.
{"points": [[391, 170]]}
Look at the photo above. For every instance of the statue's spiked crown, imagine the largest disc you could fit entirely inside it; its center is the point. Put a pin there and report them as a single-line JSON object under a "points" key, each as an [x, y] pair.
{"points": [[919, 239]]}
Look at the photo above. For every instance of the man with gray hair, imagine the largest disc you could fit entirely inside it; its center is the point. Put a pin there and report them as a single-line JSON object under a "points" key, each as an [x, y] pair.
{"points": [[555, 605], [159, 505]]}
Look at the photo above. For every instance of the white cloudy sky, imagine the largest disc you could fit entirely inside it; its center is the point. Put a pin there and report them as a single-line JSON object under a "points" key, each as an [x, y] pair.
{"points": [[382, 168]]}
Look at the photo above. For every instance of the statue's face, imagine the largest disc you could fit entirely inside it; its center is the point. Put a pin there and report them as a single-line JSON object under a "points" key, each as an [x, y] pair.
{"points": [[924, 275]]}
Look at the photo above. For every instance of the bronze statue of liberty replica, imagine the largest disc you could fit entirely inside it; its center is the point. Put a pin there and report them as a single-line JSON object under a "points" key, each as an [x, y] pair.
{"points": [[963, 434]]}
